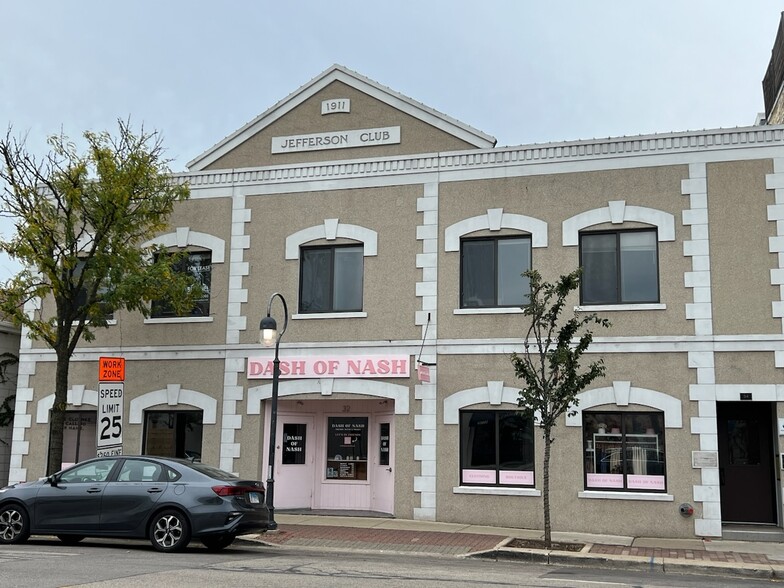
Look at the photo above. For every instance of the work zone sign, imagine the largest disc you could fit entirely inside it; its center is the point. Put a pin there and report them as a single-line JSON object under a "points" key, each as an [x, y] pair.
{"points": [[111, 376]]}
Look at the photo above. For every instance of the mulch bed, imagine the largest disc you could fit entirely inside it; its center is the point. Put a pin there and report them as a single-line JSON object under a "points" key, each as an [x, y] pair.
{"points": [[540, 544]]}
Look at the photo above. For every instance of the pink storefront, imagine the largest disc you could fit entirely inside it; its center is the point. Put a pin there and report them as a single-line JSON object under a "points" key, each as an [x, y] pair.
{"points": [[334, 453]]}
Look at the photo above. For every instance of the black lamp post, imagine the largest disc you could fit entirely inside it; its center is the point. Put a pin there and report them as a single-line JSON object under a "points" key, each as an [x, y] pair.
{"points": [[270, 335]]}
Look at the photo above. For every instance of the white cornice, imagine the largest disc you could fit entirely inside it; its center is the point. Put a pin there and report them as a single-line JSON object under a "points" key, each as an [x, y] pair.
{"points": [[351, 78], [612, 153]]}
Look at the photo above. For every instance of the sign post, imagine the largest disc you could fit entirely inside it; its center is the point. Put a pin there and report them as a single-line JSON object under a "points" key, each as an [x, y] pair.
{"points": [[111, 382]]}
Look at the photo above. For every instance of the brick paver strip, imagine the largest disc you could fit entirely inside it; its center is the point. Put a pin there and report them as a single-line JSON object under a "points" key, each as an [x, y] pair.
{"points": [[382, 538], [691, 554]]}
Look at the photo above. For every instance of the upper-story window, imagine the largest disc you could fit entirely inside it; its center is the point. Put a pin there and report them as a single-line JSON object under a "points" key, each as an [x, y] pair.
{"points": [[81, 297], [199, 265], [491, 272], [331, 279], [619, 267]]}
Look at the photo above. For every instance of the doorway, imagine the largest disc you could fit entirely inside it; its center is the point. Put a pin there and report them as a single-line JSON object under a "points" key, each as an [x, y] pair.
{"points": [[746, 462]]}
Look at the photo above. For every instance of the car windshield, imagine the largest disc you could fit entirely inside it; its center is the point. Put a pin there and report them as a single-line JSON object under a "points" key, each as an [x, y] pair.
{"points": [[212, 472]]}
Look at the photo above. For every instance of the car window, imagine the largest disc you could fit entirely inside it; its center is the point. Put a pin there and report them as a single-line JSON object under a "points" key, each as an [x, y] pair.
{"points": [[94, 471], [171, 475], [212, 472], [136, 470]]}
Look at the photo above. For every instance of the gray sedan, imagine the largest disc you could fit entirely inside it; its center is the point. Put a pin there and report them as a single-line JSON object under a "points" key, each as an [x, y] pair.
{"points": [[167, 500]]}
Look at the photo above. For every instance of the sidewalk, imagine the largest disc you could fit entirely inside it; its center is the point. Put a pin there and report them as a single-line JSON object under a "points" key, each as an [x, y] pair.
{"points": [[737, 558]]}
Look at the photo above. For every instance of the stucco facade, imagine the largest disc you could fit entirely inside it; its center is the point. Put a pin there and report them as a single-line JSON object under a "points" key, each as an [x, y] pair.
{"points": [[707, 345]]}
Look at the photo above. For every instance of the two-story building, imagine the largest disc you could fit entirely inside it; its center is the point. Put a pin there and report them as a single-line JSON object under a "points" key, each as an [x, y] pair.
{"points": [[397, 236]]}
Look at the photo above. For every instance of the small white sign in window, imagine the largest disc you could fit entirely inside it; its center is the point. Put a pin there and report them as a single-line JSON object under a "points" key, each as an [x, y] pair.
{"points": [[335, 105]]}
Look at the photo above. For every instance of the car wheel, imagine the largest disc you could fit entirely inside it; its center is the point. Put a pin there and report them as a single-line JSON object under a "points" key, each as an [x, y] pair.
{"points": [[170, 531], [70, 539], [217, 542], [14, 524]]}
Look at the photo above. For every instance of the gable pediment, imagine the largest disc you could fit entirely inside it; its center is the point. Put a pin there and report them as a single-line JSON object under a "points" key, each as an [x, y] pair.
{"points": [[340, 115]]}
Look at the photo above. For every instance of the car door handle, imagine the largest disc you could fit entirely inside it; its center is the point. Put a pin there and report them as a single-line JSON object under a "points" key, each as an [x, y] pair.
{"points": [[154, 490], [93, 490]]}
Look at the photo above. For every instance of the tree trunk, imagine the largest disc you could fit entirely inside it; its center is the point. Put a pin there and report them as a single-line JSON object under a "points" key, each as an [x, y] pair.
{"points": [[57, 417], [546, 489]]}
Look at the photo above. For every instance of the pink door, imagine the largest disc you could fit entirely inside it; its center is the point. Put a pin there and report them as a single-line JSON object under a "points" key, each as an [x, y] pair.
{"points": [[294, 462], [383, 440]]}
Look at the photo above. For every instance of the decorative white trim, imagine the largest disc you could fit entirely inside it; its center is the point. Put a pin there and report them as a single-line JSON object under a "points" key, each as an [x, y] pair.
{"points": [[623, 394], [183, 237], [174, 395], [496, 491], [425, 452], [495, 220], [331, 230], [77, 396], [178, 320], [650, 496], [494, 394], [617, 212], [618, 307], [328, 315], [701, 312], [528, 160], [329, 386], [510, 310], [775, 182]]}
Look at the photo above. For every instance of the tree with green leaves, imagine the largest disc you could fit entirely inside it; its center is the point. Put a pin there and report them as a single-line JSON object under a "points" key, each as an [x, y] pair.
{"points": [[550, 366], [80, 222]]}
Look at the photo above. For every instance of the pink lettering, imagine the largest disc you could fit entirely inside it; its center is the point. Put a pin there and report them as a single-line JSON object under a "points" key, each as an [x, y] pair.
{"points": [[398, 366], [333, 366], [353, 367], [320, 367], [298, 368], [254, 368], [369, 367], [383, 366]]}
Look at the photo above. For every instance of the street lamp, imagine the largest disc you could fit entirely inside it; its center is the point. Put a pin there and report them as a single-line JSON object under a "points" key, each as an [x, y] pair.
{"points": [[271, 336]]}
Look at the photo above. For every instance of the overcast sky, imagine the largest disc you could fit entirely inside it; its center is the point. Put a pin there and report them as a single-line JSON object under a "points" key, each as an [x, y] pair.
{"points": [[522, 71]]}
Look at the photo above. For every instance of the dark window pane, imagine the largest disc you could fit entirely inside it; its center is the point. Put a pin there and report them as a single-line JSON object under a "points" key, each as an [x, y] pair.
{"points": [[331, 279], [348, 279], [515, 442], [639, 267], [315, 280], [478, 274], [600, 271], [514, 258], [478, 439], [173, 434]]}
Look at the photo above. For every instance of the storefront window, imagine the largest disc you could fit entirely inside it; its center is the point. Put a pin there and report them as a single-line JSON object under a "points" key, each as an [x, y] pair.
{"points": [[624, 451], [347, 448], [173, 434], [496, 448], [79, 440]]}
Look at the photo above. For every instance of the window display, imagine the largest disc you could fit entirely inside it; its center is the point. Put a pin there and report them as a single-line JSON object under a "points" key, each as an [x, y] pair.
{"points": [[496, 448], [347, 448], [624, 451]]}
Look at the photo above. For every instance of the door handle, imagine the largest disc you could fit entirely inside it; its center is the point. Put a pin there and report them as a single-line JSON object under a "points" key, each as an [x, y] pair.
{"points": [[93, 490], [389, 469], [154, 490]]}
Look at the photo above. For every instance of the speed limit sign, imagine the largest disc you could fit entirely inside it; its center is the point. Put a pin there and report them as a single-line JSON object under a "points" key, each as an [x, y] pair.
{"points": [[110, 419]]}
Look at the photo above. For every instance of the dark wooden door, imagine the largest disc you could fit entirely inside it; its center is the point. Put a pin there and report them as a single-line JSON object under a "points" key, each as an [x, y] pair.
{"points": [[746, 465]]}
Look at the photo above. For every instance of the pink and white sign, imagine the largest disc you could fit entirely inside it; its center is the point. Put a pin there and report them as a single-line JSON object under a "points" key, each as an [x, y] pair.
{"points": [[604, 481], [634, 482], [349, 366], [516, 478], [479, 476]]}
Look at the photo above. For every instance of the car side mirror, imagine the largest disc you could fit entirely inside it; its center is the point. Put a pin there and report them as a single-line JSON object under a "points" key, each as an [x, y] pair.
{"points": [[53, 480]]}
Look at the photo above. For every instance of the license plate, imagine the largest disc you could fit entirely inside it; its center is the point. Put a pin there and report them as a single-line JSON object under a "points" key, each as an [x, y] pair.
{"points": [[253, 497]]}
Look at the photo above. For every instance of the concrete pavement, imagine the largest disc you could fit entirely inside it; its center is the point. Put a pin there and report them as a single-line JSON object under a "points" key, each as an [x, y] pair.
{"points": [[704, 556]]}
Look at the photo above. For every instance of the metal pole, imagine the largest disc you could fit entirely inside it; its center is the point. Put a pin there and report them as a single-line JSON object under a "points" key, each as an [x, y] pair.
{"points": [[272, 439], [274, 410]]}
